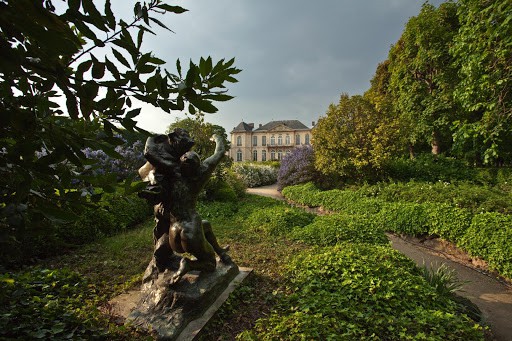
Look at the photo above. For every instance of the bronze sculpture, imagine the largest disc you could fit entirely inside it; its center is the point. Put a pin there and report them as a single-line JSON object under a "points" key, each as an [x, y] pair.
{"points": [[176, 177]]}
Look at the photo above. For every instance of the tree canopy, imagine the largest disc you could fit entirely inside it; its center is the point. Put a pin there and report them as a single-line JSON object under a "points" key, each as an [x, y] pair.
{"points": [[350, 140], [67, 82]]}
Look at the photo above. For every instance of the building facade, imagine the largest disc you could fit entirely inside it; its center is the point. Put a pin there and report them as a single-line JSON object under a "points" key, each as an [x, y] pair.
{"points": [[268, 142]]}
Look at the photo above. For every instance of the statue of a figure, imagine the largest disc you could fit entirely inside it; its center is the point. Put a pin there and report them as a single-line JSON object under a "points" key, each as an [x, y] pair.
{"points": [[176, 177]]}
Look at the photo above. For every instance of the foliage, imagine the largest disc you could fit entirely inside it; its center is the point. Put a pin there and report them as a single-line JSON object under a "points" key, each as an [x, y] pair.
{"points": [[46, 55], [475, 198], [49, 304], [358, 291], [482, 51], [337, 228], [404, 218], [255, 174], [278, 220], [297, 167], [422, 76], [490, 237], [427, 167], [448, 222], [304, 194], [202, 133], [465, 214], [114, 214], [130, 159], [349, 141]]}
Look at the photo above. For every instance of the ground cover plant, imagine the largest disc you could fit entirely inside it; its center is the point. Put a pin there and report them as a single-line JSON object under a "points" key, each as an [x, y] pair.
{"points": [[109, 266], [361, 291], [478, 223]]}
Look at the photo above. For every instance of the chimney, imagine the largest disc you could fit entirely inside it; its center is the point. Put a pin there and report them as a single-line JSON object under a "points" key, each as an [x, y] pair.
{"points": [[261, 125], [313, 123], [251, 125]]}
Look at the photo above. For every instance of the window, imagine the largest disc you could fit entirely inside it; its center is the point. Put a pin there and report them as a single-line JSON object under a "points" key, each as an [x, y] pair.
{"points": [[263, 155], [239, 155], [239, 141], [263, 140], [255, 140], [254, 155], [280, 140], [272, 140], [297, 139], [287, 140], [307, 139], [272, 155], [279, 155]]}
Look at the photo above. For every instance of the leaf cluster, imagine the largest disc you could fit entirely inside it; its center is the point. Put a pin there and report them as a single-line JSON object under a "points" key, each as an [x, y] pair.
{"points": [[68, 80]]}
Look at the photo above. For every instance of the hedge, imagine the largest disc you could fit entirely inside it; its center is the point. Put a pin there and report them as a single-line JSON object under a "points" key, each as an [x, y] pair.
{"points": [[487, 235]]}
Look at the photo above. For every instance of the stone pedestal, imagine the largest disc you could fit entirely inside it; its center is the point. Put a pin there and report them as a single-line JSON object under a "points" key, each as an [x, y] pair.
{"points": [[167, 310]]}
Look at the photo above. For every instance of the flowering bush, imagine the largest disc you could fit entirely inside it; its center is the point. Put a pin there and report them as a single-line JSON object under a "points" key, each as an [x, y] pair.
{"points": [[254, 175], [297, 167], [132, 158]]}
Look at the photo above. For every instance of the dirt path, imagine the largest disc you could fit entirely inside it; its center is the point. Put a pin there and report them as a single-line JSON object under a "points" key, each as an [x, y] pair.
{"points": [[492, 296]]}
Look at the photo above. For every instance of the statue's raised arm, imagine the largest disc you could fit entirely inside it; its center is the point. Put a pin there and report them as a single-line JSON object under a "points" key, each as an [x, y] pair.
{"points": [[212, 162]]}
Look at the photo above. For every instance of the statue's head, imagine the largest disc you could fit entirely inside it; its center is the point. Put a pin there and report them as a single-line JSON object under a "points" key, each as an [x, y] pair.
{"points": [[180, 141], [190, 163]]}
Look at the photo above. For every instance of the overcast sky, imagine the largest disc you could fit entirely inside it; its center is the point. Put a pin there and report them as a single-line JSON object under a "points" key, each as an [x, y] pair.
{"points": [[297, 56]]}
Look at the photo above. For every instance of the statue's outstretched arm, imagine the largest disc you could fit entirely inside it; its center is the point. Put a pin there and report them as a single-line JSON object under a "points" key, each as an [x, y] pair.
{"points": [[214, 160]]}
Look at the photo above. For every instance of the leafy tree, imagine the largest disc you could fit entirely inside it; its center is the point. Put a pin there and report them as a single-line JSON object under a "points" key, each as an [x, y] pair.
{"points": [[483, 54], [380, 96], [422, 76], [202, 133], [349, 141], [45, 55]]}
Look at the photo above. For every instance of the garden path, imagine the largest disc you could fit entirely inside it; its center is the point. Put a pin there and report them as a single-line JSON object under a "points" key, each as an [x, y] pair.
{"points": [[492, 295]]}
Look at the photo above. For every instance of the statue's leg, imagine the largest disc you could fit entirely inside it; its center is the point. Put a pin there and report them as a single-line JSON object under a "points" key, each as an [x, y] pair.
{"points": [[193, 241], [210, 237], [163, 256]]}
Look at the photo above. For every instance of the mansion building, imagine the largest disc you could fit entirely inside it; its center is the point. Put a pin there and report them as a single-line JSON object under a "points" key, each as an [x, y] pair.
{"points": [[268, 142]]}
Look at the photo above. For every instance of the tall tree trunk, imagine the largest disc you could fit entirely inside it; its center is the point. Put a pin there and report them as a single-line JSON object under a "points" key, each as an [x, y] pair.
{"points": [[436, 148], [411, 151]]}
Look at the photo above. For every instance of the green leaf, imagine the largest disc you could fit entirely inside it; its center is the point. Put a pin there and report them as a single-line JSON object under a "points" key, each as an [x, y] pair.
{"points": [[178, 67], [110, 15], [159, 23], [204, 105], [120, 58], [98, 69], [133, 113], [57, 215], [173, 9]]}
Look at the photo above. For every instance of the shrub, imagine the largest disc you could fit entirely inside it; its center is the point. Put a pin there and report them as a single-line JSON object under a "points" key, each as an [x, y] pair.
{"points": [[490, 237], [49, 304], [333, 229], [132, 158], [450, 223], [305, 194], [360, 292], [405, 218], [297, 167], [428, 167], [254, 175], [278, 220]]}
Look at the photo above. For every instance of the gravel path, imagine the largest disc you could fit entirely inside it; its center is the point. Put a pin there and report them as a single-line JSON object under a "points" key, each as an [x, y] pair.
{"points": [[493, 297]]}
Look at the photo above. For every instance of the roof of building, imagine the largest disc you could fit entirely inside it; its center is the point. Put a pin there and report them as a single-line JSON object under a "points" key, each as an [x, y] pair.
{"points": [[292, 124], [242, 126]]}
